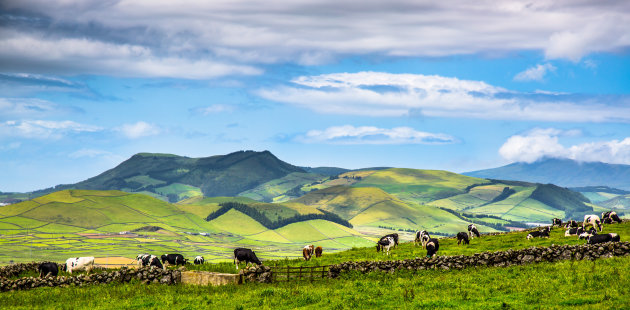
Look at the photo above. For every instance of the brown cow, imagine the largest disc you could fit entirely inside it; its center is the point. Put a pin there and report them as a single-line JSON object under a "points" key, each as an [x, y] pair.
{"points": [[318, 251], [307, 252]]}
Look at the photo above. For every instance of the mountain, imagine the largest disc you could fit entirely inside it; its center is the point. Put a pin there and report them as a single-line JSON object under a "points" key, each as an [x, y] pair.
{"points": [[562, 172], [178, 177]]}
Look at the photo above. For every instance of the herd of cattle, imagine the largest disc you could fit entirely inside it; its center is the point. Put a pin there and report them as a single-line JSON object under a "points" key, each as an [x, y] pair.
{"points": [[384, 244]]}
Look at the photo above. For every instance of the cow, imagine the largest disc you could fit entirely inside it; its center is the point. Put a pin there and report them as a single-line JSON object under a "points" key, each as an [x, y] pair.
{"points": [[610, 217], [154, 261], [573, 231], [583, 234], [199, 260], [245, 255], [472, 231], [592, 220], [556, 221], [571, 224], [318, 251], [432, 247], [462, 236], [307, 252], [48, 268], [419, 235], [173, 259], [143, 259], [393, 236], [538, 234], [79, 263], [385, 244], [595, 239]]}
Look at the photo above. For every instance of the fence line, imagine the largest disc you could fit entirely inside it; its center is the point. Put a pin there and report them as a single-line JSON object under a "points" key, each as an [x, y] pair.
{"points": [[289, 273]]}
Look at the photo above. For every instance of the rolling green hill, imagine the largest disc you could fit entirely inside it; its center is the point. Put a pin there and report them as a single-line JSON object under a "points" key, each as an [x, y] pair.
{"points": [[110, 224], [175, 177]]}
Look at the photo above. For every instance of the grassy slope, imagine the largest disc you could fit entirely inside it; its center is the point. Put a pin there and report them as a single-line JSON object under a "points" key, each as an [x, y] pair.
{"points": [[541, 285], [54, 227], [367, 207], [274, 188]]}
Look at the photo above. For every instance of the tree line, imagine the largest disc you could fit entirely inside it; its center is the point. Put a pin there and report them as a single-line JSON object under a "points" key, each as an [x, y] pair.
{"points": [[263, 220]]}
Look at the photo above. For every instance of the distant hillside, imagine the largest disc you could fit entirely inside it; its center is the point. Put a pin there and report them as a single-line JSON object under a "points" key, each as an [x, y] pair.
{"points": [[562, 172], [598, 194], [178, 177]]}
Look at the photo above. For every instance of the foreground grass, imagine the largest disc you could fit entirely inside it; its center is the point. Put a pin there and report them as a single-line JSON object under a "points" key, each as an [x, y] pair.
{"points": [[601, 284]]}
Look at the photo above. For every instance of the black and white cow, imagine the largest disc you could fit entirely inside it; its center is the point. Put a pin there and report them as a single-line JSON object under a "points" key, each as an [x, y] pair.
{"points": [[432, 247], [585, 234], [610, 217], [385, 244], [79, 263], [571, 224], [574, 231], [393, 236], [556, 221], [419, 235], [592, 220], [538, 234], [245, 255], [595, 239], [48, 268], [173, 259], [472, 231], [143, 259], [154, 261], [462, 237], [199, 260]]}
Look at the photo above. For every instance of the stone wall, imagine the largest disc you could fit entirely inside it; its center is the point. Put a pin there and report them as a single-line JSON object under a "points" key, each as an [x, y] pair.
{"points": [[491, 259], [209, 278], [146, 275]]}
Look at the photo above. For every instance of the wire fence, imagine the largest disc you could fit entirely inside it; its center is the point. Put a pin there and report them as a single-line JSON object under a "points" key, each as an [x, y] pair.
{"points": [[289, 273]]}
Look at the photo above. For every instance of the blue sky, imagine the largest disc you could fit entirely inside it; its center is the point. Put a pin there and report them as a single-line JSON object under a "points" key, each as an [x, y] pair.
{"points": [[458, 86]]}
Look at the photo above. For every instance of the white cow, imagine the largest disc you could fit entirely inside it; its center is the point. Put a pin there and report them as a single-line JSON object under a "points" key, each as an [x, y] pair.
{"points": [[592, 220], [79, 263]]}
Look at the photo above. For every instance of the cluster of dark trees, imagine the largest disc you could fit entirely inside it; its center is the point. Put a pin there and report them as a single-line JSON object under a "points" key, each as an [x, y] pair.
{"points": [[263, 220]]}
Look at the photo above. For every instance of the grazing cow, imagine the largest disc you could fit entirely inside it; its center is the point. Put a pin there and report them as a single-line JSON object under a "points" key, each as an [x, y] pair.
{"points": [[571, 224], [583, 234], [79, 263], [594, 239], [556, 221], [573, 232], [154, 261], [307, 252], [472, 231], [173, 259], [538, 234], [432, 247], [592, 220], [245, 255], [199, 260], [393, 236], [318, 251], [48, 268], [143, 259], [610, 217], [385, 244], [462, 236], [419, 235], [424, 239]]}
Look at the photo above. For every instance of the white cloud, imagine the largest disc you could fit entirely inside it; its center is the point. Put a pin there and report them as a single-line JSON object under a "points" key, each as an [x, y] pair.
{"points": [[214, 109], [26, 107], [373, 135], [540, 143], [201, 39], [139, 130], [536, 73], [41, 129], [386, 94]]}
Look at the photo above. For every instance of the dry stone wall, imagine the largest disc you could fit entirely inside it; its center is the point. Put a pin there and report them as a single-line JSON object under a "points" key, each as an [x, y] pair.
{"points": [[491, 259], [146, 275]]}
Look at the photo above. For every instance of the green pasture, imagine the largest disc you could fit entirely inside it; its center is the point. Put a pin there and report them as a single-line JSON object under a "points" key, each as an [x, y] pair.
{"points": [[274, 188]]}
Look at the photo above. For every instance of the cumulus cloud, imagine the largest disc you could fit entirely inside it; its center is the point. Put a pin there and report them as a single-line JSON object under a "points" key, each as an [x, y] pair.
{"points": [[138, 130], [202, 39], [387, 94], [42, 129], [536, 73], [373, 135], [540, 143]]}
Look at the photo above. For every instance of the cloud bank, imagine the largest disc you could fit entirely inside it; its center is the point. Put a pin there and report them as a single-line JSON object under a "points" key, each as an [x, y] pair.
{"points": [[539, 143], [204, 39], [381, 94], [373, 135]]}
